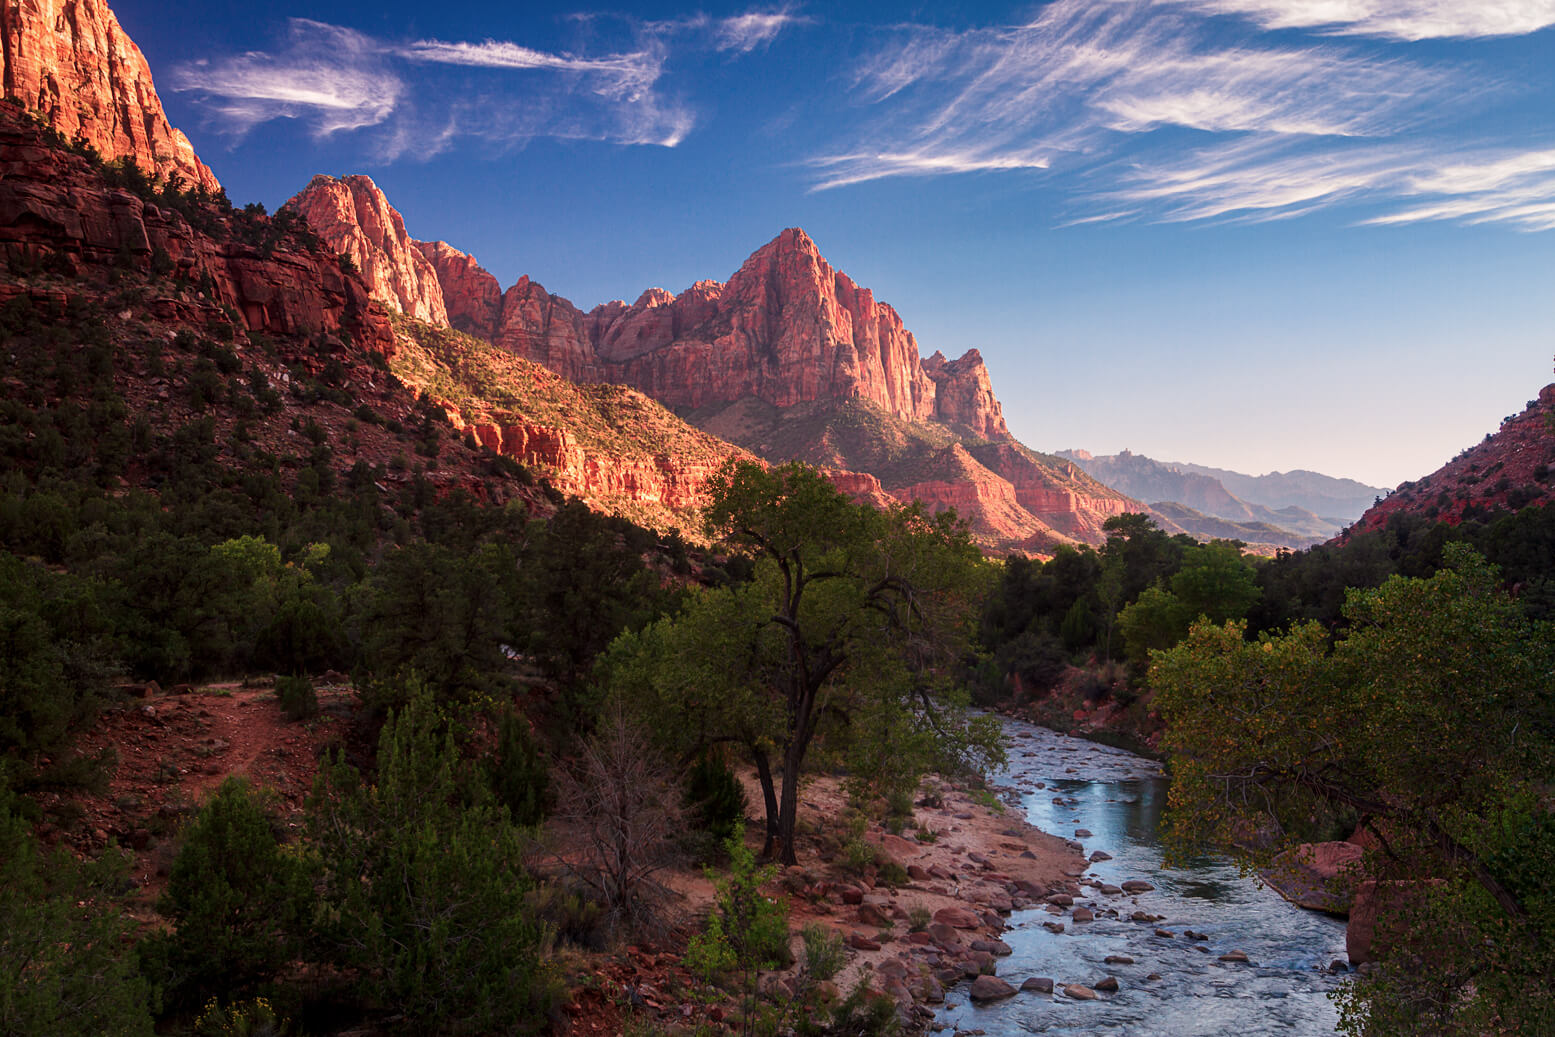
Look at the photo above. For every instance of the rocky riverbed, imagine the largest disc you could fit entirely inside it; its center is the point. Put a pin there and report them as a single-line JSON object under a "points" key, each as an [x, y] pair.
{"points": [[1127, 946]]}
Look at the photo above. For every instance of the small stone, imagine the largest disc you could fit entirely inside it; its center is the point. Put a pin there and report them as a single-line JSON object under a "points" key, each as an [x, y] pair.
{"points": [[1082, 833], [1166, 933], [1053, 927], [860, 942], [1084, 914], [1137, 886], [1041, 984], [1108, 985], [1079, 993], [1338, 966], [1117, 959], [1100, 855], [1154, 975], [1235, 956], [1110, 890]]}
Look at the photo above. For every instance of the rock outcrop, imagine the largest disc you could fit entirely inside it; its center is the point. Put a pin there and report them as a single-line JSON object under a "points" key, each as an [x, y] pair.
{"points": [[471, 296], [1512, 469], [71, 63], [56, 207], [358, 221]]}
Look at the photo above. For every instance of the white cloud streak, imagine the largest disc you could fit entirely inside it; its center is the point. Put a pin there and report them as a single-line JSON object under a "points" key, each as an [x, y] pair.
{"points": [[1264, 180], [1083, 72], [335, 78], [745, 32], [1154, 111], [1409, 20]]}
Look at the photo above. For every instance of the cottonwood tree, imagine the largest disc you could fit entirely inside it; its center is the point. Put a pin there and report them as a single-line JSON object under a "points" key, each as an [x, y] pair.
{"points": [[853, 623], [1432, 724]]}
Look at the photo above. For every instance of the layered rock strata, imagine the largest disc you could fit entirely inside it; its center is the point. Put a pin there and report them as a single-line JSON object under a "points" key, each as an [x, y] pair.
{"points": [[56, 208]]}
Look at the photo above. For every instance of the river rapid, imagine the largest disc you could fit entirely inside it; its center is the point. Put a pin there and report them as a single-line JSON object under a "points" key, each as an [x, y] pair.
{"points": [[1070, 787]]}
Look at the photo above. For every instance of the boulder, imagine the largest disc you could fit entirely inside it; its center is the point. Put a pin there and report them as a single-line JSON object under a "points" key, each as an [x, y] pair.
{"points": [[1079, 992], [957, 918], [990, 988], [1040, 984]]}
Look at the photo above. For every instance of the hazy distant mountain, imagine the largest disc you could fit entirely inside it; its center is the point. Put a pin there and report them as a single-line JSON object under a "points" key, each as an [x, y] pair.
{"points": [[1307, 505], [1326, 495]]}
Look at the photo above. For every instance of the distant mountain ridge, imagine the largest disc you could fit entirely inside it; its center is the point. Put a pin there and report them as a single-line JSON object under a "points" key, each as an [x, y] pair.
{"points": [[1308, 505]]}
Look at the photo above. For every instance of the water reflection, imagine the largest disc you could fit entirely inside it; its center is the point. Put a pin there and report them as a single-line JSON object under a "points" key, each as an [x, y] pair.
{"points": [[1065, 786]]}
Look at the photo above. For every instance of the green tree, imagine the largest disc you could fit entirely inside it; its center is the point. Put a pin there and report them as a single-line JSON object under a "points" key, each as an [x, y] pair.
{"points": [[424, 893], [852, 613], [1432, 722], [747, 930]]}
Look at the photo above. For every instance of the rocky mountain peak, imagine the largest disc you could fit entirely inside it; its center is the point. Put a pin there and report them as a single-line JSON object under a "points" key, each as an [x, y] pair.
{"points": [[353, 215], [71, 63]]}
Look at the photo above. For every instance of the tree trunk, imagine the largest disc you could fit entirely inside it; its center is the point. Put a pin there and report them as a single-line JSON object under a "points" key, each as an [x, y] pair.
{"points": [[793, 760], [769, 795]]}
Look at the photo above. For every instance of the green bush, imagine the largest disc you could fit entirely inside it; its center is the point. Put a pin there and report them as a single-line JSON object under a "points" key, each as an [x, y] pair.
{"points": [[297, 697], [65, 965], [425, 894], [237, 898], [747, 930], [714, 797], [516, 773]]}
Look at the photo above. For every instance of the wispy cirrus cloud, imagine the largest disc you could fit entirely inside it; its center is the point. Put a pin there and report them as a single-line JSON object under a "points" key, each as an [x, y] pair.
{"points": [[338, 79], [745, 32], [1083, 72], [1266, 180], [1393, 19], [1155, 111]]}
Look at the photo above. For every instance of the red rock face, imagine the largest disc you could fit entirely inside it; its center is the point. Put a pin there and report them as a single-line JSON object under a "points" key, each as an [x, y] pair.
{"points": [[964, 395], [471, 296], [358, 221], [787, 329], [71, 62], [549, 330], [55, 203]]}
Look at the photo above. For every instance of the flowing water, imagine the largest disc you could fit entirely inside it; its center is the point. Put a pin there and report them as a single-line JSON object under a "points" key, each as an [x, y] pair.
{"points": [[1066, 785]]}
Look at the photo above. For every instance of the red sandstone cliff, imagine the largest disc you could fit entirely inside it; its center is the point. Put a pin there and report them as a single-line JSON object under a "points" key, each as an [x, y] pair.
{"points": [[471, 296], [358, 221], [789, 358], [56, 205], [786, 328], [69, 61]]}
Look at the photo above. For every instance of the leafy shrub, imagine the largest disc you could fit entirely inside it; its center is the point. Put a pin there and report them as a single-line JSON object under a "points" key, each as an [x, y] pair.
{"points": [[298, 699], [425, 894], [64, 966], [516, 773], [238, 900], [714, 798], [256, 1018], [747, 930]]}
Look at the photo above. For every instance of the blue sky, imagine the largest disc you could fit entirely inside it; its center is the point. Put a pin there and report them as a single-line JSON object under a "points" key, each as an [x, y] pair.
{"points": [[1260, 234]]}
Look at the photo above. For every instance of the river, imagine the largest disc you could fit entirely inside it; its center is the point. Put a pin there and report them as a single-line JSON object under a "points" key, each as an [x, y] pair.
{"points": [[1067, 785]]}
